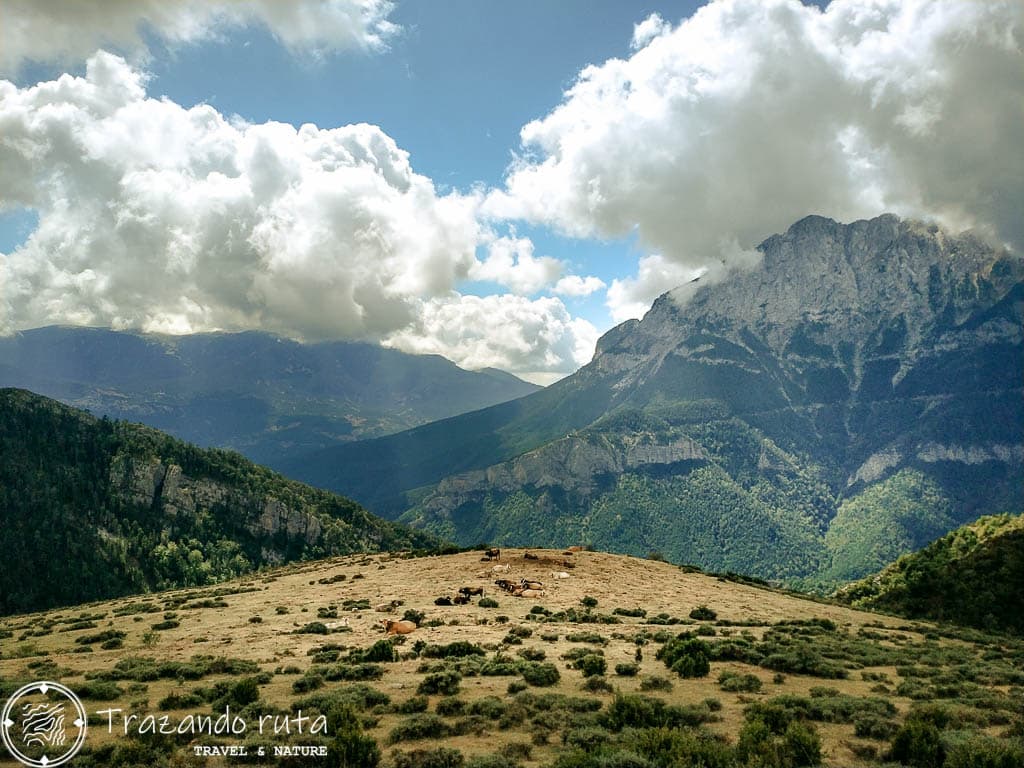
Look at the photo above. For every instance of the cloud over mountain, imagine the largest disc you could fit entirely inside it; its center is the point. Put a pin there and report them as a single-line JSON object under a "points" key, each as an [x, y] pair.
{"points": [[728, 126], [173, 219]]}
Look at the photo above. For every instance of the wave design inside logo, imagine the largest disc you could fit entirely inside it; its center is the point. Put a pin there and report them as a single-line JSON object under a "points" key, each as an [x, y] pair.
{"points": [[42, 725]]}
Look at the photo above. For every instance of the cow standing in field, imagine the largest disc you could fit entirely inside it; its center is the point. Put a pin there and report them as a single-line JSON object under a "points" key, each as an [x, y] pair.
{"points": [[492, 554]]}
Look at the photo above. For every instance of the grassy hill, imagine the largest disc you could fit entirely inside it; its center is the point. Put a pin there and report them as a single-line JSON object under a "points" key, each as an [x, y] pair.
{"points": [[91, 508], [626, 662], [972, 576]]}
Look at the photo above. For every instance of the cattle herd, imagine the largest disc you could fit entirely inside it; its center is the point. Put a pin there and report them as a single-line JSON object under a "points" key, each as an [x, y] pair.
{"points": [[522, 587]]}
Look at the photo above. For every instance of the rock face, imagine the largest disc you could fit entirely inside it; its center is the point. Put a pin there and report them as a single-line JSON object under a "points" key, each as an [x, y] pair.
{"points": [[164, 488], [851, 355]]}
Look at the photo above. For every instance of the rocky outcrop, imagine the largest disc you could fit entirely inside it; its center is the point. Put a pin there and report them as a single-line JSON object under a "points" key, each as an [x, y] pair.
{"points": [[574, 463], [165, 487]]}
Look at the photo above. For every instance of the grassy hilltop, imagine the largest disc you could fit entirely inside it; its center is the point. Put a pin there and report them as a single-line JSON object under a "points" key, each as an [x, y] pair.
{"points": [[627, 662]]}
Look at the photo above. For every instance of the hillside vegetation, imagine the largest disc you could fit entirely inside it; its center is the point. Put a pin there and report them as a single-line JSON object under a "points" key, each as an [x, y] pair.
{"points": [[626, 663], [93, 508], [972, 576]]}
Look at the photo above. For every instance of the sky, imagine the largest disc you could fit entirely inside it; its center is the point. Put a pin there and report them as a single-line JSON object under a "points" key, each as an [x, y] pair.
{"points": [[498, 183]]}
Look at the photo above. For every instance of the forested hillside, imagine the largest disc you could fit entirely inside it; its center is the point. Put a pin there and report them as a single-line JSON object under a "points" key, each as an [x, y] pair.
{"points": [[93, 508], [974, 576]]}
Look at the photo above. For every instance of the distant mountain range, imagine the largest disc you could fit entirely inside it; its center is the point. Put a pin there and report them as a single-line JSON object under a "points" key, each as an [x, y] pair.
{"points": [[262, 395], [973, 576], [91, 508], [850, 399]]}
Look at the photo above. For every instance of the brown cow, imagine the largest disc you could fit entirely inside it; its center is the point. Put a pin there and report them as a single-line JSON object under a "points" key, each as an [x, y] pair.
{"points": [[528, 584], [461, 599], [402, 627], [471, 591], [523, 592], [493, 554], [530, 556]]}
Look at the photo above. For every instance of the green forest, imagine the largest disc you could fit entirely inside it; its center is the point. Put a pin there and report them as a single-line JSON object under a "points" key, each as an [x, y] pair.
{"points": [[71, 531]]}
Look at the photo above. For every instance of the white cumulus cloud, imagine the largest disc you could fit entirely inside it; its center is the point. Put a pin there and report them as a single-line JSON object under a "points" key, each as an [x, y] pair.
{"points": [[535, 338], [751, 114], [574, 285], [165, 218], [70, 30], [510, 262]]}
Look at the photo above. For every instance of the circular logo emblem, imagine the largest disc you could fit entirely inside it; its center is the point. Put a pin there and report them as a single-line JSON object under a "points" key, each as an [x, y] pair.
{"points": [[43, 724]]}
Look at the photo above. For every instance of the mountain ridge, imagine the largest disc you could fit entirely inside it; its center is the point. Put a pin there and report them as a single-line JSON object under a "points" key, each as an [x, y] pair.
{"points": [[251, 391], [882, 355]]}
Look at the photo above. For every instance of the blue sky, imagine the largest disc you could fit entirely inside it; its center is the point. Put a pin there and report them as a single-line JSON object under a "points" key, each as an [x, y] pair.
{"points": [[568, 161]]}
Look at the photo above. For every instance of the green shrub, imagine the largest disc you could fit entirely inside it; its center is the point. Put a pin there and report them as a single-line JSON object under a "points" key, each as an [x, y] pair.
{"points": [[586, 637], [98, 691], [531, 654], [311, 681], [979, 751], [441, 757], [656, 683], [596, 684], [451, 707], [874, 727], [443, 683], [591, 665], [422, 726], [703, 613], [628, 669], [733, 682], [380, 651], [487, 602], [539, 674], [632, 612], [354, 672], [179, 701], [589, 602], [492, 761], [691, 747], [100, 637], [918, 744], [796, 747], [413, 705], [686, 657], [457, 649], [313, 628]]}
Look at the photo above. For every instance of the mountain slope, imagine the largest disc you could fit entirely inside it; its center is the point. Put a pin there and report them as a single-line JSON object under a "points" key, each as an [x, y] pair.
{"points": [[857, 367], [91, 508], [265, 396], [973, 576]]}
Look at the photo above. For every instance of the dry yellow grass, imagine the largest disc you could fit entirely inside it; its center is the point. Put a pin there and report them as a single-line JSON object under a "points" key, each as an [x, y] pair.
{"points": [[615, 581]]}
